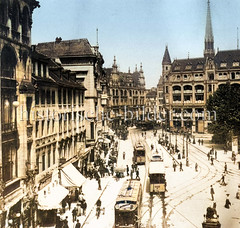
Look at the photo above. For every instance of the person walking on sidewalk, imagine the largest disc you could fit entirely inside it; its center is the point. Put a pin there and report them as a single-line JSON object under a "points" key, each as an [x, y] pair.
{"points": [[99, 184], [225, 168], [131, 174], [127, 170], [180, 166], [74, 214], [196, 167], [212, 192], [69, 201], [137, 174], [84, 206], [208, 155], [222, 180], [227, 203], [215, 154], [78, 224], [174, 165], [124, 155]]}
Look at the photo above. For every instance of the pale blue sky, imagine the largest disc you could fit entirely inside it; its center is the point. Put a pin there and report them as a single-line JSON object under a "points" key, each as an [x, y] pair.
{"points": [[138, 30]]}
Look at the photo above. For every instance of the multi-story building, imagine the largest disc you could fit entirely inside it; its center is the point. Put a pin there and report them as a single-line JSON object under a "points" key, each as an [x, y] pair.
{"points": [[86, 61], [126, 94], [188, 83], [151, 104], [17, 93]]}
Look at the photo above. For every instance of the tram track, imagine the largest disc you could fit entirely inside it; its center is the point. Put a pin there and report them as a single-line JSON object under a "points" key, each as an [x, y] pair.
{"points": [[197, 180]]}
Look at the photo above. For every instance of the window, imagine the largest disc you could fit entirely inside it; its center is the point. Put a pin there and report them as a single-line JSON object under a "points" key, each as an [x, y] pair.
{"points": [[235, 64], [233, 75], [49, 158], [53, 97], [43, 162], [48, 97], [39, 70], [166, 67], [69, 96], [25, 21], [43, 96], [177, 68], [36, 97], [44, 71], [59, 96], [209, 88], [185, 77], [8, 62], [223, 65], [64, 96], [188, 67], [166, 89], [211, 76]]}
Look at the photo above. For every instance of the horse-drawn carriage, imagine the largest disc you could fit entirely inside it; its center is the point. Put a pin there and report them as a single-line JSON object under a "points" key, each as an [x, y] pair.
{"points": [[211, 218]]}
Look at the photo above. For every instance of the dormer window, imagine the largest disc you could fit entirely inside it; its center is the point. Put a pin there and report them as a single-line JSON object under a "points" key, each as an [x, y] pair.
{"points": [[185, 77], [177, 68], [235, 64], [178, 77], [199, 66], [188, 67], [222, 65]]}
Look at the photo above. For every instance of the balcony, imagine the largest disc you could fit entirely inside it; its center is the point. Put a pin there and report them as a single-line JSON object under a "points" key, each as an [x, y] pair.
{"points": [[177, 91], [177, 102], [15, 35], [4, 30], [25, 40], [187, 91], [199, 91]]}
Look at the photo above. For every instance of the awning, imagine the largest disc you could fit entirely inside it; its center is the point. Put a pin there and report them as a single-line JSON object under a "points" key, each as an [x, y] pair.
{"points": [[50, 196], [70, 176]]}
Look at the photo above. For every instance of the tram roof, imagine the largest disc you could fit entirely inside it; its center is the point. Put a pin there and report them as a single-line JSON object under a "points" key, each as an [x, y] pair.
{"points": [[156, 167], [129, 191]]}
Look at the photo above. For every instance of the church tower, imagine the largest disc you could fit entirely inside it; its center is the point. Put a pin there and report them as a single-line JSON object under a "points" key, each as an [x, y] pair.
{"points": [[209, 39], [114, 66], [166, 63], [141, 77]]}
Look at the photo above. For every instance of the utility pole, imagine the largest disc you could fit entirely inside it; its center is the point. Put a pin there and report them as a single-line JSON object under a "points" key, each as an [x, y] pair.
{"points": [[187, 161], [183, 149]]}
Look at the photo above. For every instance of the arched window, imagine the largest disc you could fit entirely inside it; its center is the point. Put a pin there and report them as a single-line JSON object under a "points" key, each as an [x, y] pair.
{"points": [[15, 16], [25, 21], [8, 62]]}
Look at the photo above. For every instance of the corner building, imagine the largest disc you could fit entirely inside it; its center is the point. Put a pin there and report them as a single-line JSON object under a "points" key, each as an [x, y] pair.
{"points": [[188, 83]]}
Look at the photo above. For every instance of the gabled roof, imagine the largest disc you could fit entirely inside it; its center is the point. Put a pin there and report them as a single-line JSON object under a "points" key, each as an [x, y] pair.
{"points": [[166, 58], [228, 57], [66, 48], [183, 65]]}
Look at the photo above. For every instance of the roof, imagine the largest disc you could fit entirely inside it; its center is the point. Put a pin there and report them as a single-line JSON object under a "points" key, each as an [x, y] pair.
{"points": [[166, 58], [78, 47], [194, 64], [228, 57], [156, 167], [151, 94], [130, 191]]}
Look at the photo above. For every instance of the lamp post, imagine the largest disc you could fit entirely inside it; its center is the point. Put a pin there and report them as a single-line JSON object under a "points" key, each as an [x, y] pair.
{"points": [[176, 147], [187, 161], [183, 149]]}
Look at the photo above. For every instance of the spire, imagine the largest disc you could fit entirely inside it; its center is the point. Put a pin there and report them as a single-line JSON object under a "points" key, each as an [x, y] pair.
{"points": [[136, 68], [166, 58], [129, 71], [141, 69], [114, 66], [209, 39]]}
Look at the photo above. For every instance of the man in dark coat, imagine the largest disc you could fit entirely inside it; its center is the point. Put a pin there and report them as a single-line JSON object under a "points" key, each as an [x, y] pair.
{"points": [[227, 203], [78, 225]]}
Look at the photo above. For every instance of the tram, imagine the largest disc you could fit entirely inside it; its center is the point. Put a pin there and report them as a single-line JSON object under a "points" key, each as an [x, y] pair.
{"points": [[128, 205], [139, 154], [157, 181]]}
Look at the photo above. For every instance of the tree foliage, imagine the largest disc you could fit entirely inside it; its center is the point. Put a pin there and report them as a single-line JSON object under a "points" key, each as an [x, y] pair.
{"points": [[225, 102]]}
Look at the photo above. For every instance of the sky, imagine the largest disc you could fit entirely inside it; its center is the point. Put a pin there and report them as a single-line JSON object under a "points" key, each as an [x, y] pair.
{"points": [[137, 31]]}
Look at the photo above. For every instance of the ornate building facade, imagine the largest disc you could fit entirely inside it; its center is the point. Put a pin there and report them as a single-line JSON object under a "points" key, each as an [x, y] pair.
{"points": [[188, 83], [17, 93], [126, 95]]}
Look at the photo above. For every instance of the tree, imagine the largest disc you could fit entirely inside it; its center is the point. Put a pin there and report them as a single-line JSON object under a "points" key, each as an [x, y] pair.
{"points": [[225, 102]]}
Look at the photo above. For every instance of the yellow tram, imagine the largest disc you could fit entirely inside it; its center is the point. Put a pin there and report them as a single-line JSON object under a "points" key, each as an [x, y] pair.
{"points": [[128, 205], [157, 181], [139, 154]]}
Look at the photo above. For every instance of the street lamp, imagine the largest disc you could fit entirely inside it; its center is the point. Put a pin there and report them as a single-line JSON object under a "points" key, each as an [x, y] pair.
{"points": [[183, 149], [187, 161]]}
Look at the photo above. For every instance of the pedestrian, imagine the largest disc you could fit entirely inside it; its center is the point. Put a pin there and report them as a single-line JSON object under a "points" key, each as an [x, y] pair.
{"points": [[212, 160], [65, 222], [133, 166], [222, 180], [174, 165], [127, 170], [215, 154], [131, 174], [196, 167], [124, 155], [76, 194], [199, 142], [202, 141], [69, 201], [137, 174], [212, 192], [78, 224], [181, 169], [64, 204], [84, 206], [225, 168], [99, 184], [234, 159], [112, 170], [227, 202], [208, 155], [74, 214]]}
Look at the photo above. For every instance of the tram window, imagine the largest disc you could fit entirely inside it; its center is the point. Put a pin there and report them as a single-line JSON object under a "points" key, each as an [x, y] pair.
{"points": [[126, 218], [140, 153]]}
